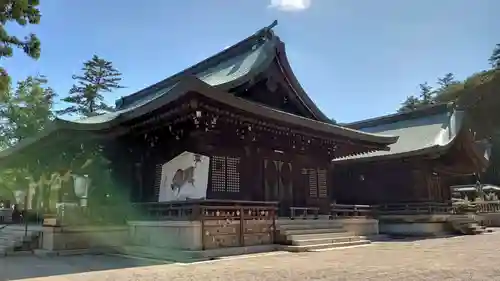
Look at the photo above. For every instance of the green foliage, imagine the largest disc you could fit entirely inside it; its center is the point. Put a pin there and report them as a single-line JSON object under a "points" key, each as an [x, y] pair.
{"points": [[411, 103], [4, 81], [86, 96], [25, 110], [425, 97], [22, 12], [449, 90], [87, 99]]}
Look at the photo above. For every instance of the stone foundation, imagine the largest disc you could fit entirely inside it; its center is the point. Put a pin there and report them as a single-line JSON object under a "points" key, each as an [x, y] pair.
{"points": [[184, 235], [414, 225], [489, 219], [71, 238], [360, 226]]}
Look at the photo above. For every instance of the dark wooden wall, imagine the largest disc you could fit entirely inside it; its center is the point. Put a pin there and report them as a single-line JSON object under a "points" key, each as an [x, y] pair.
{"points": [[252, 157], [251, 172], [388, 182]]}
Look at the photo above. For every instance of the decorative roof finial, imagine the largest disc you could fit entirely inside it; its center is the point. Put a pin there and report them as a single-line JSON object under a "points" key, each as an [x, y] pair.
{"points": [[272, 25], [266, 32]]}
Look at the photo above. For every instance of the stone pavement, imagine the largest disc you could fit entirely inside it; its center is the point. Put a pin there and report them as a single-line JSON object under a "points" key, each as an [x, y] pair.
{"points": [[456, 258]]}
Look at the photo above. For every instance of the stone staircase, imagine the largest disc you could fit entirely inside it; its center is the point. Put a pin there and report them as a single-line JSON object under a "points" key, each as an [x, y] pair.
{"points": [[465, 224], [315, 235], [13, 239]]}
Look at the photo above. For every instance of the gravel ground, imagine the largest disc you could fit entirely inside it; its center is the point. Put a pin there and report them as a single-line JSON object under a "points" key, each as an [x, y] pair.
{"points": [[456, 258]]}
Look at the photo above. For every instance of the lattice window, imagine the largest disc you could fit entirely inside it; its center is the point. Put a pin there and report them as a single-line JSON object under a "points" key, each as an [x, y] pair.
{"points": [[313, 183], [218, 173], [233, 174], [322, 186], [225, 174], [157, 182]]}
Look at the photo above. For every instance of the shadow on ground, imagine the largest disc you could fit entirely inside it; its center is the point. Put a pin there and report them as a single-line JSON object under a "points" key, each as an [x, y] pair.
{"points": [[20, 267]]}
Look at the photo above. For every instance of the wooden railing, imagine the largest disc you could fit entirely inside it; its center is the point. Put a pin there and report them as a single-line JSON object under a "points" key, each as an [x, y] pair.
{"points": [[224, 223], [304, 213], [414, 208], [477, 206], [345, 210], [488, 206]]}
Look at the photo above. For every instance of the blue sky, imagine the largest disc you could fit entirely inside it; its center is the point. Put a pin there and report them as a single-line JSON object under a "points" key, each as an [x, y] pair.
{"points": [[356, 59]]}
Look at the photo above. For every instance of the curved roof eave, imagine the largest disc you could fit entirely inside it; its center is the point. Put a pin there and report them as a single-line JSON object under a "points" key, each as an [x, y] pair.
{"points": [[395, 117], [455, 129], [193, 84], [434, 151], [367, 158], [273, 47], [242, 46], [295, 84]]}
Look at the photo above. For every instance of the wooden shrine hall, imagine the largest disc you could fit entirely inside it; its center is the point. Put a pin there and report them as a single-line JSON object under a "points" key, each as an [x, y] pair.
{"points": [[205, 158], [436, 147], [236, 126]]}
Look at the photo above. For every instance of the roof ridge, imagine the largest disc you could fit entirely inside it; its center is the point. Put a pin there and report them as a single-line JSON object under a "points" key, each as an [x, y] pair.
{"points": [[265, 32], [400, 116]]}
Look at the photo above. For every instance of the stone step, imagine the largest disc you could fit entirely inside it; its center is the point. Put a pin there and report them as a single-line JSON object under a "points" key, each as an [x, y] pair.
{"points": [[308, 226], [281, 222], [319, 235], [311, 231], [323, 241], [327, 246]]}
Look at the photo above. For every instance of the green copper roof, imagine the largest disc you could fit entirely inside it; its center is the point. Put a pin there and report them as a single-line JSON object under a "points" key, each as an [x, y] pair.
{"points": [[227, 69], [420, 132], [195, 85], [214, 78]]}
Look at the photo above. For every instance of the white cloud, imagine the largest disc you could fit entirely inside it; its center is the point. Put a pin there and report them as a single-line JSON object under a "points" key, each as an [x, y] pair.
{"points": [[290, 5]]}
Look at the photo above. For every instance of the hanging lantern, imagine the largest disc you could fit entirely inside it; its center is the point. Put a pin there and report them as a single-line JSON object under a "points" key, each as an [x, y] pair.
{"points": [[81, 187]]}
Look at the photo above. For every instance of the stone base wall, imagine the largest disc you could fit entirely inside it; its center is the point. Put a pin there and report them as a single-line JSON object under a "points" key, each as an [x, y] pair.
{"points": [[68, 238], [489, 219], [414, 229], [360, 226], [414, 225], [184, 235], [187, 235]]}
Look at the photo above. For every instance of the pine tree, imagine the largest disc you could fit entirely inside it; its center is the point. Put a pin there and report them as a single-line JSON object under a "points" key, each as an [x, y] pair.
{"points": [[87, 94], [411, 103], [495, 57], [426, 94], [446, 81]]}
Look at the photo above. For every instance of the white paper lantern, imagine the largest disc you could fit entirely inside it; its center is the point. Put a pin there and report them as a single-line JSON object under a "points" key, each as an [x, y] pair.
{"points": [[81, 186], [19, 195]]}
